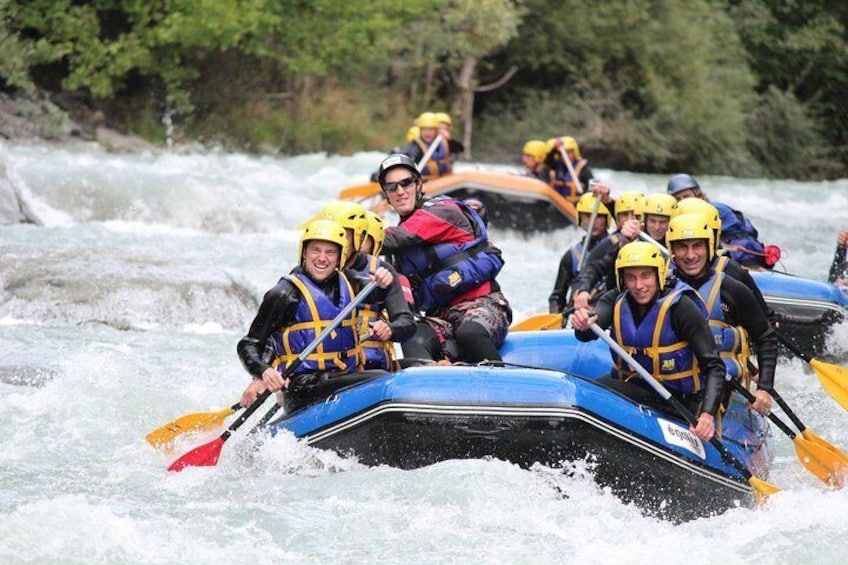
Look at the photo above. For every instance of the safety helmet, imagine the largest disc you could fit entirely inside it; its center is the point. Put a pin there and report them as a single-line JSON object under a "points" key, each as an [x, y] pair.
{"points": [[640, 254], [691, 226], [412, 133], [323, 229], [444, 118], [699, 206], [428, 120], [587, 203], [396, 160], [628, 201], [659, 204], [571, 144], [681, 182], [376, 230], [536, 148], [349, 215]]}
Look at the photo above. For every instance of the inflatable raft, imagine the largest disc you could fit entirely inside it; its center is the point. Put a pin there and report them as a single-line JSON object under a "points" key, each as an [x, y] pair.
{"points": [[419, 416], [512, 201]]}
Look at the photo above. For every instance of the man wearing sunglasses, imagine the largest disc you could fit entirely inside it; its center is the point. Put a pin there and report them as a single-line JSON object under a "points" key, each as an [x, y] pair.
{"points": [[441, 245]]}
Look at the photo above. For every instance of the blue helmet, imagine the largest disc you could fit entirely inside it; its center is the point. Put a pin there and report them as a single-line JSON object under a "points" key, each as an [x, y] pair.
{"points": [[681, 182]]}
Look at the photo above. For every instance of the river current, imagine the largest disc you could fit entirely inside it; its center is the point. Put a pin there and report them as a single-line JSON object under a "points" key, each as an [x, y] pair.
{"points": [[122, 312]]}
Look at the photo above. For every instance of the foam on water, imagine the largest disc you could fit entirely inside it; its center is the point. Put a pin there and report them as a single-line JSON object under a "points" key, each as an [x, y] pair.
{"points": [[79, 483]]}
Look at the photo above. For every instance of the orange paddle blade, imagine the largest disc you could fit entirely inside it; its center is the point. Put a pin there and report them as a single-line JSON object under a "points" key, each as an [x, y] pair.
{"points": [[834, 379], [189, 423], [821, 462], [359, 191], [539, 322]]}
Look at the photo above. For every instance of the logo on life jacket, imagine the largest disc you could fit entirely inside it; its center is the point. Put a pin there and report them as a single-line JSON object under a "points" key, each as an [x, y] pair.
{"points": [[454, 279], [668, 365]]}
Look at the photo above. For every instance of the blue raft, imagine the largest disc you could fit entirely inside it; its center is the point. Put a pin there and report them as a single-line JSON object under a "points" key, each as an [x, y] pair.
{"points": [[422, 415]]}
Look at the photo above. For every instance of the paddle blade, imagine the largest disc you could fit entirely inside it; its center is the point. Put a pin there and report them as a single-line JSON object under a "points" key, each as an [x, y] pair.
{"points": [[204, 456], [359, 191], [821, 462], [762, 489], [834, 379], [539, 322], [188, 423], [821, 442]]}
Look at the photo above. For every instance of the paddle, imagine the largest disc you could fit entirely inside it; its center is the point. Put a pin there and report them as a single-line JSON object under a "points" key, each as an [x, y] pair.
{"points": [[360, 191], [189, 423], [595, 207], [833, 378], [207, 455], [762, 489], [429, 153], [645, 237], [542, 321], [570, 167], [821, 458]]}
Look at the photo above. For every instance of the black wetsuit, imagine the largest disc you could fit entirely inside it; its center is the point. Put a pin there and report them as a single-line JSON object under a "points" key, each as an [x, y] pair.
{"points": [[839, 267], [557, 300], [599, 266], [689, 325]]}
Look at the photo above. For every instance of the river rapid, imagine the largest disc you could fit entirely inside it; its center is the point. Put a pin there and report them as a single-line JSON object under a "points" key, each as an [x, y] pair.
{"points": [[122, 312]]}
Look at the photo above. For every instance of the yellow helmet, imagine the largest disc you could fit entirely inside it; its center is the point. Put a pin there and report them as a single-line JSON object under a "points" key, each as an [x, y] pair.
{"points": [[691, 226], [699, 206], [428, 120], [587, 202], [640, 254], [412, 133], [376, 230], [660, 204], [348, 215], [630, 201], [571, 144], [444, 118], [536, 148], [324, 230]]}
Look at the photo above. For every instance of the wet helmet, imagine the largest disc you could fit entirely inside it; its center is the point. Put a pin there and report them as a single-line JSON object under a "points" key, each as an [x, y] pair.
{"points": [[640, 254], [428, 120], [630, 201], [570, 144], [324, 230], [691, 226], [660, 204], [536, 148], [699, 206], [587, 203], [681, 182], [412, 133], [349, 215], [444, 118]]}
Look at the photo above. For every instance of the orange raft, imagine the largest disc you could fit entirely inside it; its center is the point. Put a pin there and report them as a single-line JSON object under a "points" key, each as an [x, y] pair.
{"points": [[512, 201]]}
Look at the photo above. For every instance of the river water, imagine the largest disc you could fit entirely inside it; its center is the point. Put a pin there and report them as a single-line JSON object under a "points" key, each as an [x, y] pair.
{"points": [[122, 312]]}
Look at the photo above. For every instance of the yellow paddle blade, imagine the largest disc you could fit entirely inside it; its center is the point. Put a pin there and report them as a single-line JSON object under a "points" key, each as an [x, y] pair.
{"points": [[823, 443], [359, 191], [834, 379], [821, 462], [539, 322], [762, 489], [188, 423]]}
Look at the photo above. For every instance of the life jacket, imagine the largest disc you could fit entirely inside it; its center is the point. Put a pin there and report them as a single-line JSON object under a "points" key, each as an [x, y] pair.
{"points": [[339, 352], [378, 354], [569, 188], [653, 343], [442, 272], [739, 237], [439, 164], [731, 341]]}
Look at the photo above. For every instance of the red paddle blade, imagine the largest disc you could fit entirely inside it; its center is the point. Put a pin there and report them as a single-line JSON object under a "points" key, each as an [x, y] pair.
{"points": [[204, 456]]}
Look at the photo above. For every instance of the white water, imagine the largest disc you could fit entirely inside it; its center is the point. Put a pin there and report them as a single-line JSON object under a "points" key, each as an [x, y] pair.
{"points": [[125, 309]]}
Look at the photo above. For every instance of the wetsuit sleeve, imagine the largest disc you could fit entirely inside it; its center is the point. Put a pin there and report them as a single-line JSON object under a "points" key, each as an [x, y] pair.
{"points": [[604, 310], [556, 301], [689, 325], [276, 311], [741, 274], [401, 320], [745, 312], [599, 264], [585, 176], [839, 267], [359, 279]]}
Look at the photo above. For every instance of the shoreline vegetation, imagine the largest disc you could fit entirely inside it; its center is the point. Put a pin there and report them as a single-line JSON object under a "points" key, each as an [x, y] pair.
{"points": [[742, 88]]}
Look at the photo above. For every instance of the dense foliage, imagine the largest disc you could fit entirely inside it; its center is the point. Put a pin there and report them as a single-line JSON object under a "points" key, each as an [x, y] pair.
{"points": [[744, 87]]}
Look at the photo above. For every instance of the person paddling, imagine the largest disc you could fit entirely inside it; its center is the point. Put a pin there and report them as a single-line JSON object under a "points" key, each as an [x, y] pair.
{"points": [[664, 327], [295, 311], [565, 151], [441, 245]]}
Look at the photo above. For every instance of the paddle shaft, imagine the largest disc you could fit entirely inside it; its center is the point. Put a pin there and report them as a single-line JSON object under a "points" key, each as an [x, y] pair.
{"points": [[570, 167], [793, 348], [429, 153], [665, 394], [595, 207], [645, 237], [788, 411]]}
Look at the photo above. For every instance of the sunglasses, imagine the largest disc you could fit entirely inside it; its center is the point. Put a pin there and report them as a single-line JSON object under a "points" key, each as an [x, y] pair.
{"points": [[403, 183]]}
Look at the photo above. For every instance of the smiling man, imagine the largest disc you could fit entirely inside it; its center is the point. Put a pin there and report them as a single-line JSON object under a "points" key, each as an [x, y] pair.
{"points": [[295, 311], [735, 314], [664, 328], [442, 246]]}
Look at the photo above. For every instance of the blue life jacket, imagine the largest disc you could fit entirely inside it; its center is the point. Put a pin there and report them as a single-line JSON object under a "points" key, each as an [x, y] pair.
{"points": [[339, 352], [653, 343], [442, 272], [569, 188], [439, 163], [378, 354], [739, 237], [731, 341]]}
